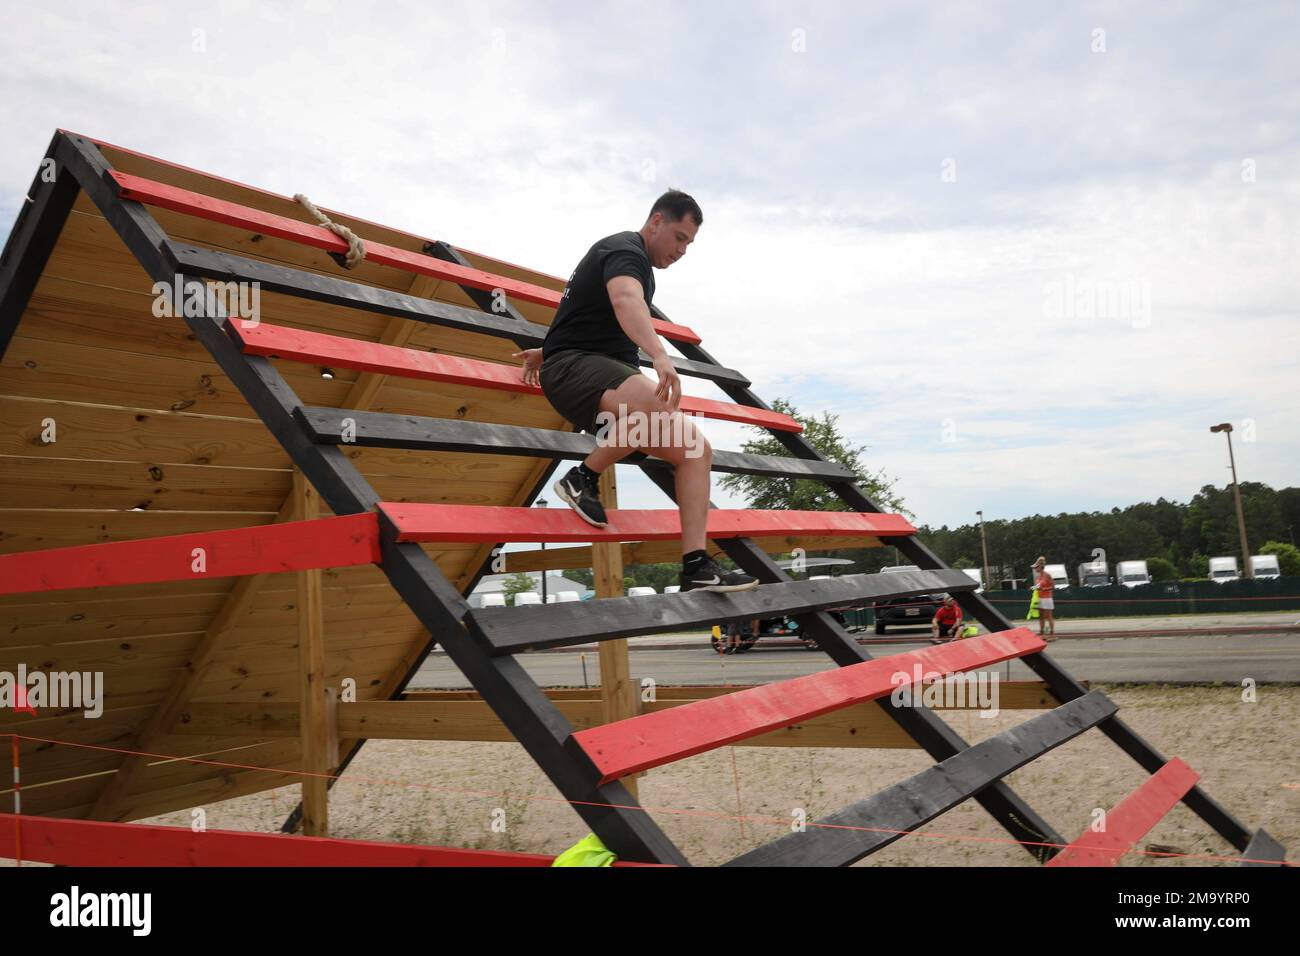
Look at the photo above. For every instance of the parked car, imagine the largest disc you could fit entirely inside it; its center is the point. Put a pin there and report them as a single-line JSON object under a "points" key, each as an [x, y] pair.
{"points": [[640, 591], [915, 611], [976, 575], [494, 600], [527, 597]]}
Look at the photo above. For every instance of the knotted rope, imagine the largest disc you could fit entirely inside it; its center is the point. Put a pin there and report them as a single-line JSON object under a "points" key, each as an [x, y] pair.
{"points": [[356, 248]]}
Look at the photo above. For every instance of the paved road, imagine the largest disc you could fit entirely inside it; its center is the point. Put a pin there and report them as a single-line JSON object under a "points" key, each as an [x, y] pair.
{"points": [[1229, 655]]}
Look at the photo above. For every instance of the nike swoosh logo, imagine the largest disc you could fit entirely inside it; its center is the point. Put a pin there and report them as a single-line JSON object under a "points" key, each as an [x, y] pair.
{"points": [[716, 580]]}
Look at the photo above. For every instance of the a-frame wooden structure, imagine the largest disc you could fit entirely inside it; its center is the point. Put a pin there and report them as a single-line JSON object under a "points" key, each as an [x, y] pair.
{"points": [[153, 536]]}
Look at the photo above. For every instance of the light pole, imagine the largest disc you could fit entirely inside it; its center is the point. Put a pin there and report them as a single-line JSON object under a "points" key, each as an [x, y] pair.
{"points": [[1226, 428], [984, 546], [541, 503]]}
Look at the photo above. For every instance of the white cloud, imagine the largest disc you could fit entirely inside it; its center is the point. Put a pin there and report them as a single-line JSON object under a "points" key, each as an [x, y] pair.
{"points": [[834, 268]]}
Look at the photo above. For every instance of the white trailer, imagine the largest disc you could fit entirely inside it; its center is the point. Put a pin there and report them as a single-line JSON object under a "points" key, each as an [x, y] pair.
{"points": [[1055, 571], [1224, 569], [1265, 566], [1131, 574], [1094, 574]]}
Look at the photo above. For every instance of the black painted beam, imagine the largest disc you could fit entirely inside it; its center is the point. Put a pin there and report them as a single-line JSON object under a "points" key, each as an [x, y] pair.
{"points": [[924, 726], [852, 833], [927, 729], [532, 717], [512, 630], [1263, 850], [132, 222], [36, 230], [227, 267], [1062, 686], [610, 809], [489, 303], [385, 430]]}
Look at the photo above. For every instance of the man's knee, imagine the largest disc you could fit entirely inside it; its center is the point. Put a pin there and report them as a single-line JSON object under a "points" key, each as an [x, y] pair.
{"points": [[695, 445], [681, 441]]}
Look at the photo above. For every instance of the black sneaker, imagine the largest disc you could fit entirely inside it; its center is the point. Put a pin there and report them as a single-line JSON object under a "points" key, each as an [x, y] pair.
{"points": [[583, 497], [710, 576]]}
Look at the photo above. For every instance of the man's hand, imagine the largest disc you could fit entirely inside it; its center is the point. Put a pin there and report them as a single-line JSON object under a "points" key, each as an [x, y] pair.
{"points": [[532, 362], [670, 386]]}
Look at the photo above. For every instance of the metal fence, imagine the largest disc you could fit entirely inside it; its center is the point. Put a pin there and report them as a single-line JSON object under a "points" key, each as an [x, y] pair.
{"points": [[1170, 597]]}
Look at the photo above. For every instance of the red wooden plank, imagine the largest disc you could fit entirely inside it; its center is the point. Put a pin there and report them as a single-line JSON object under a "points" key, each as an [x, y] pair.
{"points": [[95, 843], [1131, 819], [651, 740], [301, 345], [289, 546], [428, 522], [190, 203], [422, 240]]}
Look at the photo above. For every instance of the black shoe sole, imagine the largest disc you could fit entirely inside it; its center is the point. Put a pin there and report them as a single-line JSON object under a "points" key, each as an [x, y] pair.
{"points": [[569, 500]]}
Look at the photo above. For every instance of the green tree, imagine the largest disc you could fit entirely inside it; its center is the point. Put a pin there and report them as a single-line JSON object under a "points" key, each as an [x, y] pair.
{"points": [[1162, 569], [657, 576], [804, 494], [1288, 557], [583, 576], [517, 583]]}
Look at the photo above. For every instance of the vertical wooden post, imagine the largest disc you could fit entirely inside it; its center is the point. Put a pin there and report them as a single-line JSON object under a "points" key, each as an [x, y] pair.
{"points": [[313, 712], [617, 692]]}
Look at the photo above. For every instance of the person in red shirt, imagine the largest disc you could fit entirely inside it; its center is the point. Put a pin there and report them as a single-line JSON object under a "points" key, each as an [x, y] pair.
{"points": [[1046, 606], [946, 625]]}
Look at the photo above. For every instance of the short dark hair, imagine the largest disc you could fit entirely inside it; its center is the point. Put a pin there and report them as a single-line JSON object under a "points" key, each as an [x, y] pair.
{"points": [[675, 205]]}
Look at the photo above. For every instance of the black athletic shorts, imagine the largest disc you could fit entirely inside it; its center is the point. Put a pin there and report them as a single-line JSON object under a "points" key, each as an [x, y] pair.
{"points": [[573, 382]]}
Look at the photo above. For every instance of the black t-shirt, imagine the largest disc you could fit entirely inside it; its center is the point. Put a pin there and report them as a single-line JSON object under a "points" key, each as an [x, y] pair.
{"points": [[585, 317]]}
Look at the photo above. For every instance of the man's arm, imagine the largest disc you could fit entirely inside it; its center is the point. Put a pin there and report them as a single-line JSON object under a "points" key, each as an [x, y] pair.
{"points": [[627, 296]]}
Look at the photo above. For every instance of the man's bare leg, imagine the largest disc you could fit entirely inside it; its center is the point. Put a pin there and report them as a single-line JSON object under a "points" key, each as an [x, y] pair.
{"points": [[692, 457], [633, 418]]}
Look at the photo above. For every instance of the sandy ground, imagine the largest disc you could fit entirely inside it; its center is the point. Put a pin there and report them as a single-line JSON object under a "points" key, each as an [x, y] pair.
{"points": [[718, 805]]}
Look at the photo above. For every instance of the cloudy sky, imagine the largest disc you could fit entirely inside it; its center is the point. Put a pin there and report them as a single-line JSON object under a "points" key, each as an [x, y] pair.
{"points": [[1028, 253]]}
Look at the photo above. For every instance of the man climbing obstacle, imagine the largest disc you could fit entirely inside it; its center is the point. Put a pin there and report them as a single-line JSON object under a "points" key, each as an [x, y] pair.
{"points": [[587, 369]]}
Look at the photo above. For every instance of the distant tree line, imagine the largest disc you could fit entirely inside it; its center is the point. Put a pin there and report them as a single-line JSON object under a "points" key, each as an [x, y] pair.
{"points": [[1176, 540]]}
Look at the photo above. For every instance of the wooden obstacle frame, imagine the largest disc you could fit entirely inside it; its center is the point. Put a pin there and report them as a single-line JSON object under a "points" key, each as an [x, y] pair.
{"points": [[343, 469]]}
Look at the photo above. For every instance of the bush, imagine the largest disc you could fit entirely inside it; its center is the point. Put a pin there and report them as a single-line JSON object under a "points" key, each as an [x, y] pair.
{"points": [[1288, 557], [1162, 569]]}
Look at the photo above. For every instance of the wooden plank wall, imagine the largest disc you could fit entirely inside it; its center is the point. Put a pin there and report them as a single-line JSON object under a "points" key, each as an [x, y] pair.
{"points": [[150, 438]]}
